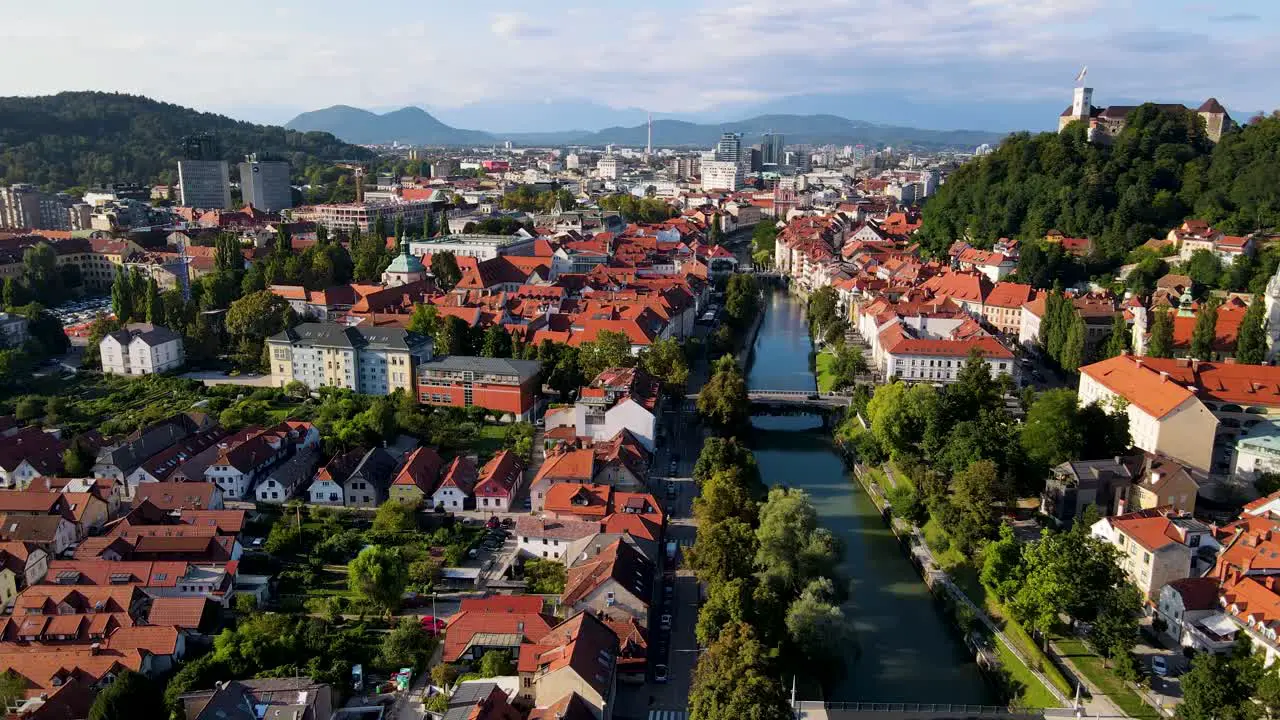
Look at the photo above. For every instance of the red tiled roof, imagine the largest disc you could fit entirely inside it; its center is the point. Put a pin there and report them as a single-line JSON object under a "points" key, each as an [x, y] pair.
{"points": [[1140, 382]]}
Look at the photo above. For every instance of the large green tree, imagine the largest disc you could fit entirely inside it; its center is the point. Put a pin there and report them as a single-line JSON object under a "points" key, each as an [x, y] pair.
{"points": [[131, 696], [444, 268], [1161, 343], [1251, 342], [1205, 331], [723, 400], [735, 679], [665, 360], [377, 576], [609, 349]]}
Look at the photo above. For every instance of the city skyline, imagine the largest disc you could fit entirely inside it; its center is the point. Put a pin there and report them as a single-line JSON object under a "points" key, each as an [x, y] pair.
{"points": [[732, 58]]}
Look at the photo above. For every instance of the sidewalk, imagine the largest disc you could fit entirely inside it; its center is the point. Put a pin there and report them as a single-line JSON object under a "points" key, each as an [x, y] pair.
{"points": [[1098, 704]]}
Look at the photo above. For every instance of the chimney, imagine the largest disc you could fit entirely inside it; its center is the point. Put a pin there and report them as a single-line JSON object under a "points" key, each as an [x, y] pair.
{"points": [[1164, 376], [1155, 478], [95, 648]]}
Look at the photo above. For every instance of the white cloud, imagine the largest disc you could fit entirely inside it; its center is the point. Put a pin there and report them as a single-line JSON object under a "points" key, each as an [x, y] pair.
{"points": [[665, 55]]}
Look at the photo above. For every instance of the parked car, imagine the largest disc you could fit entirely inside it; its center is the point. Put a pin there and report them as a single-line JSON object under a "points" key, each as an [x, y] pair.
{"points": [[432, 624], [508, 522], [660, 673], [1159, 666], [492, 522], [665, 622]]}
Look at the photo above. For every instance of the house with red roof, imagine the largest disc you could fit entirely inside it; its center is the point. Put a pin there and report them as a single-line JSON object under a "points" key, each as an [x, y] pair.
{"points": [[561, 465], [1166, 402], [499, 622], [1157, 546], [617, 399], [577, 656], [27, 454], [498, 482], [615, 584], [417, 477], [457, 485]]}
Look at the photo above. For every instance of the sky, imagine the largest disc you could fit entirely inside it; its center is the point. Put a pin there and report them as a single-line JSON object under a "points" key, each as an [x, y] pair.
{"points": [[265, 61]]}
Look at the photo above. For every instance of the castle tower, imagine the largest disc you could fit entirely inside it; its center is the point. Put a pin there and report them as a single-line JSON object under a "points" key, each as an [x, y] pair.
{"points": [[1082, 103], [1081, 108]]}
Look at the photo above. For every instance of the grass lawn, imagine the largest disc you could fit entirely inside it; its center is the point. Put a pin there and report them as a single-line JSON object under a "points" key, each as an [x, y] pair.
{"points": [[822, 366], [489, 440], [1033, 694], [1105, 679], [947, 556], [966, 577]]}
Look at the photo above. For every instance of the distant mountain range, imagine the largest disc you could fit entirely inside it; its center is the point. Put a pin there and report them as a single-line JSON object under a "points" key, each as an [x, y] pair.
{"points": [[415, 126]]}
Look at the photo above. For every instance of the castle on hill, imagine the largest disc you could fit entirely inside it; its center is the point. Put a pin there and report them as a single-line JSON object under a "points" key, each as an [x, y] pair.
{"points": [[1107, 122]]}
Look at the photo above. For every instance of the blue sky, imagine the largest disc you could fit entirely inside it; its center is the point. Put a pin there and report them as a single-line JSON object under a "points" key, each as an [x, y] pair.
{"points": [[266, 61]]}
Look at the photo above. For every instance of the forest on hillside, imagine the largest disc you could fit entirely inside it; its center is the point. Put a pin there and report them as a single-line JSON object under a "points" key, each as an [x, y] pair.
{"points": [[1160, 170], [81, 139]]}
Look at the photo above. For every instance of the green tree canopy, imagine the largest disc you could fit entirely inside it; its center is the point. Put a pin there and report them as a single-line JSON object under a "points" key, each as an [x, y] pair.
{"points": [[444, 268], [131, 696], [1251, 342], [734, 678], [377, 576], [608, 349]]}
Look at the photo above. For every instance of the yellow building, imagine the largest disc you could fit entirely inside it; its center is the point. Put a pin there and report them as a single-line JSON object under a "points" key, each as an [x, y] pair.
{"points": [[372, 361]]}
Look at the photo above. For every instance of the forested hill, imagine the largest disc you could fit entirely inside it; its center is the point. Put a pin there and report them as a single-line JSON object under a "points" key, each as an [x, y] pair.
{"points": [[87, 138], [1160, 170]]}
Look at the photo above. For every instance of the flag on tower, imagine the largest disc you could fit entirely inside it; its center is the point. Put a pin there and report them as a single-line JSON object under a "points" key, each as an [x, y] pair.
{"points": [[1083, 71]]}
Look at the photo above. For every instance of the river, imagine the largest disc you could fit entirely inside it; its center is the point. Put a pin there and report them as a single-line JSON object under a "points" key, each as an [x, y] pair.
{"points": [[908, 652]]}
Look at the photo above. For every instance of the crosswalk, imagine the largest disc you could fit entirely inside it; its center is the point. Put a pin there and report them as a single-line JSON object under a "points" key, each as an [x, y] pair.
{"points": [[668, 715]]}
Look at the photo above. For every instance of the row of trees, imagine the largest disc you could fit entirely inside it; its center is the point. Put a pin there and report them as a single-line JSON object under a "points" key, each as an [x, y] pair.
{"points": [[773, 601], [638, 210], [1073, 575], [952, 444]]}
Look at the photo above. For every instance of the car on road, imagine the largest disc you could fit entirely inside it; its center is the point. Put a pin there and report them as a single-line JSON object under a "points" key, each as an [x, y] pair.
{"points": [[673, 468], [659, 673], [671, 489], [432, 624], [665, 621], [508, 522], [1159, 666]]}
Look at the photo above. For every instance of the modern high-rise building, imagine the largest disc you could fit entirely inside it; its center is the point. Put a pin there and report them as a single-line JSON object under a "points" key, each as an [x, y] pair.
{"points": [[771, 149], [25, 207], [265, 184], [204, 184], [729, 149]]}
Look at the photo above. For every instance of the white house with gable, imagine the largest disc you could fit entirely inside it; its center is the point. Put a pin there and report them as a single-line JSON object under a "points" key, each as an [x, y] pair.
{"points": [[141, 349]]}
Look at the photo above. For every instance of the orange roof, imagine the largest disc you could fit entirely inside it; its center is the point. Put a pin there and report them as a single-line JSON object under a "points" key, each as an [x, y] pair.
{"points": [[1251, 600], [1010, 295], [572, 466], [1137, 381], [179, 612], [574, 499], [1220, 382], [421, 470], [498, 614], [1151, 529]]}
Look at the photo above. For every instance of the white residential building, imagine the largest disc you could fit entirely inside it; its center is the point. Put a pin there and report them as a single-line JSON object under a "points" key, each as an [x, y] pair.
{"points": [[721, 175], [617, 399], [141, 349], [1164, 416]]}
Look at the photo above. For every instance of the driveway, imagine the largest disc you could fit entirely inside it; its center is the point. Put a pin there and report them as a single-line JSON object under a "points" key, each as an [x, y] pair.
{"points": [[1166, 690], [212, 377]]}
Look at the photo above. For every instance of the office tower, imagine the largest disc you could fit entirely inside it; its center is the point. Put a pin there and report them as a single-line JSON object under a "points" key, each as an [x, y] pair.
{"points": [[265, 184], [204, 184], [729, 149], [771, 149]]}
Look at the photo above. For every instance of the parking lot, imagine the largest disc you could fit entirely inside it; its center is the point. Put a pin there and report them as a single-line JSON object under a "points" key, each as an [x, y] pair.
{"points": [[81, 311]]}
